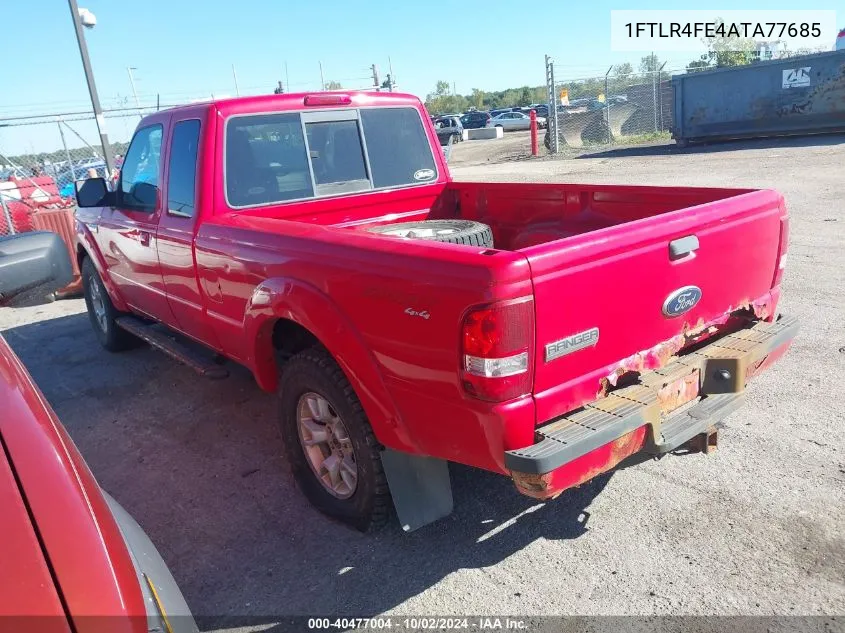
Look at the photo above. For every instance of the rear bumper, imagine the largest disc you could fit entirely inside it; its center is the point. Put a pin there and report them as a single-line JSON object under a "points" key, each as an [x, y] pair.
{"points": [[708, 385]]}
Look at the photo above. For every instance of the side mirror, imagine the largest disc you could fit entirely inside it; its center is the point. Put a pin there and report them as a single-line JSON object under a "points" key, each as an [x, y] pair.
{"points": [[92, 192], [144, 195], [32, 265]]}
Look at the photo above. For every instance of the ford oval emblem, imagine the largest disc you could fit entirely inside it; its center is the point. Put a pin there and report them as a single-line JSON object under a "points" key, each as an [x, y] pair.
{"points": [[682, 300]]}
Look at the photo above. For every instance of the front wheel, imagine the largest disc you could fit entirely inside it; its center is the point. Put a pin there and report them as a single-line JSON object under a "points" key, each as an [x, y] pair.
{"points": [[102, 313], [331, 448]]}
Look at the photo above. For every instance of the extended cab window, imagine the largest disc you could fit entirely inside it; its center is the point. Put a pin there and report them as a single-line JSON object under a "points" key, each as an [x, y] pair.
{"points": [[182, 168], [266, 160], [347, 151], [139, 176], [398, 147]]}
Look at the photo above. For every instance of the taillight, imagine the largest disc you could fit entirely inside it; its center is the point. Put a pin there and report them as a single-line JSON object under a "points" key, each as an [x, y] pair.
{"points": [[327, 99], [783, 247], [496, 351]]}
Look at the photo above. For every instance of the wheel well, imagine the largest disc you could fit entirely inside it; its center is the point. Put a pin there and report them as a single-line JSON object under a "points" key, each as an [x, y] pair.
{"points": [[290, 338]]}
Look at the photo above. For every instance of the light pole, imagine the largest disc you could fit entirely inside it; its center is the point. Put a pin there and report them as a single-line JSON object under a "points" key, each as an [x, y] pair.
{"points": [[88, 19]]}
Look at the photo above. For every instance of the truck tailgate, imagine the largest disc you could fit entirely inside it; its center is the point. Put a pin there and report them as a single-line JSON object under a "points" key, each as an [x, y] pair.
{"points": [[600, 297]]}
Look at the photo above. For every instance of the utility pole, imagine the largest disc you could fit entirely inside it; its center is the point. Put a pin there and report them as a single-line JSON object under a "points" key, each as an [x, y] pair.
{"points": [[92, 88], [322, 81], [287, 79], [375, 77], [607, 103], [235, 76]]}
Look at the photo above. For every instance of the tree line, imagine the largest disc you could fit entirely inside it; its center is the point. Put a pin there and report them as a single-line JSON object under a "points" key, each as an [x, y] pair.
{"points": [[442, 100], [722, 51]]}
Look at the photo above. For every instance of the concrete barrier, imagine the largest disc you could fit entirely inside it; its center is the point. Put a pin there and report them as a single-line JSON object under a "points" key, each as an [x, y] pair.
{"points": [[483, 133]]}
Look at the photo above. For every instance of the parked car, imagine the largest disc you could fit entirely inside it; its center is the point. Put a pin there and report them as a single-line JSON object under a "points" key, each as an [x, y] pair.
{"points": [[449, 127], [474, 120], [495, 113], [509, 121], [73, 558], [407, 320], [541, 109], [586, 105]]}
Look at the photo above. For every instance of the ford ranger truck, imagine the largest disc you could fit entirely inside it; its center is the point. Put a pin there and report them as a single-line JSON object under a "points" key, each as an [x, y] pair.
{"points": [[546, 332]]}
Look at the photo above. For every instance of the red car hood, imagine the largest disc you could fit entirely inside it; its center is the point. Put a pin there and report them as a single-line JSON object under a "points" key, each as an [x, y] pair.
{"points": [[59, 522]]}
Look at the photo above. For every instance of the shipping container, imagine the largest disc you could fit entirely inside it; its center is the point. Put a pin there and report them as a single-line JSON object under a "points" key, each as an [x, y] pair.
{"points": [[798, 95]]}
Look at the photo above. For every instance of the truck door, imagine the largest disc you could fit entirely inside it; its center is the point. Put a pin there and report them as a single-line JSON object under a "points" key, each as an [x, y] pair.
{"points": [[177, 228], [127, 231]]}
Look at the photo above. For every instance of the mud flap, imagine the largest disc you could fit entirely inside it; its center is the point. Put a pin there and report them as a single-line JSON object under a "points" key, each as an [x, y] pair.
{"points": [[420, 487]]}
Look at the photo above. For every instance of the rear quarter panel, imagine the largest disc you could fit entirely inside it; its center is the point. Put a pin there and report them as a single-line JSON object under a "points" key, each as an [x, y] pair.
{"points": [[373, 284]]}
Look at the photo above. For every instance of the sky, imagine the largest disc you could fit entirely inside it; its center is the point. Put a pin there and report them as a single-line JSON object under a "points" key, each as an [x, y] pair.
{"points": [[185, 49]]}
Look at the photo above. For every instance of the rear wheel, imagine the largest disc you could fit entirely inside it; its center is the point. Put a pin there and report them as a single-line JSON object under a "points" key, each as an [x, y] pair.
{"points": [[102, 313], [331, 448]]}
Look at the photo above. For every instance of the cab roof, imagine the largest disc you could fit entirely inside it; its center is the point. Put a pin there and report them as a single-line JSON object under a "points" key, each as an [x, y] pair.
{"points": [[303, 100]]}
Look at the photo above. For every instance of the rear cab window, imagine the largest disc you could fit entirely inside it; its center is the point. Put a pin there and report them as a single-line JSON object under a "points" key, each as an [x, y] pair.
{"points": [[281, 157]]}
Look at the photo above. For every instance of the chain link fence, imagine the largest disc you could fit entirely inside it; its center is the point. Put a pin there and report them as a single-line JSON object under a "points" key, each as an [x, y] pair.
{"points": [[614, 109], [35, 182]]}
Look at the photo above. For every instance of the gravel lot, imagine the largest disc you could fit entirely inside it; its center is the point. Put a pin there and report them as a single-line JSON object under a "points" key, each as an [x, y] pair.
{"points": [[754, 529]]}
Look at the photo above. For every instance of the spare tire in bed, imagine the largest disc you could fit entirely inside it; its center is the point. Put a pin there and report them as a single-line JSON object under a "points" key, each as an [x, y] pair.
{"points": [[464, 232]]}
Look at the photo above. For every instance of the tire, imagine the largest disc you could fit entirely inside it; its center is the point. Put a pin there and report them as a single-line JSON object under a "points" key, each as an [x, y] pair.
{"points": [[314, 372], [106, 329], [465, 232]]}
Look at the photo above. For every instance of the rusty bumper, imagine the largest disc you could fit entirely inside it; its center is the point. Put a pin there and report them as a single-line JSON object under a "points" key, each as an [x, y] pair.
{"points": [[679, 405]]}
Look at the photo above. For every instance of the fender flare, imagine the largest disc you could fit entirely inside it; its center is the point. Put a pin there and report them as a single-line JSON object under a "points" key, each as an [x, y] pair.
{"points": [[304, 304], [85, 242]]}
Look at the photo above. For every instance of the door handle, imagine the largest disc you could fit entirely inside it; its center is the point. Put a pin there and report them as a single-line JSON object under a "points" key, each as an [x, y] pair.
{"points": [[144, 238], [683, 246]]}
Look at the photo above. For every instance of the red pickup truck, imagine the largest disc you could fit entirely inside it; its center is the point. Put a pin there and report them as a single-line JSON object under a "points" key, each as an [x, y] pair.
{"points": [[543, 331]]}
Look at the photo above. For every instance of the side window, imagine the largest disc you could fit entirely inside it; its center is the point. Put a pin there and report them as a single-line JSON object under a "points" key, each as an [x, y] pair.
{"points": [[139, 176], [182, 168]]}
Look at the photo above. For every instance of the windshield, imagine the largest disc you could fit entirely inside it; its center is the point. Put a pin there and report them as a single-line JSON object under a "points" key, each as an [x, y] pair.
{"points": [[279, 157]]}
